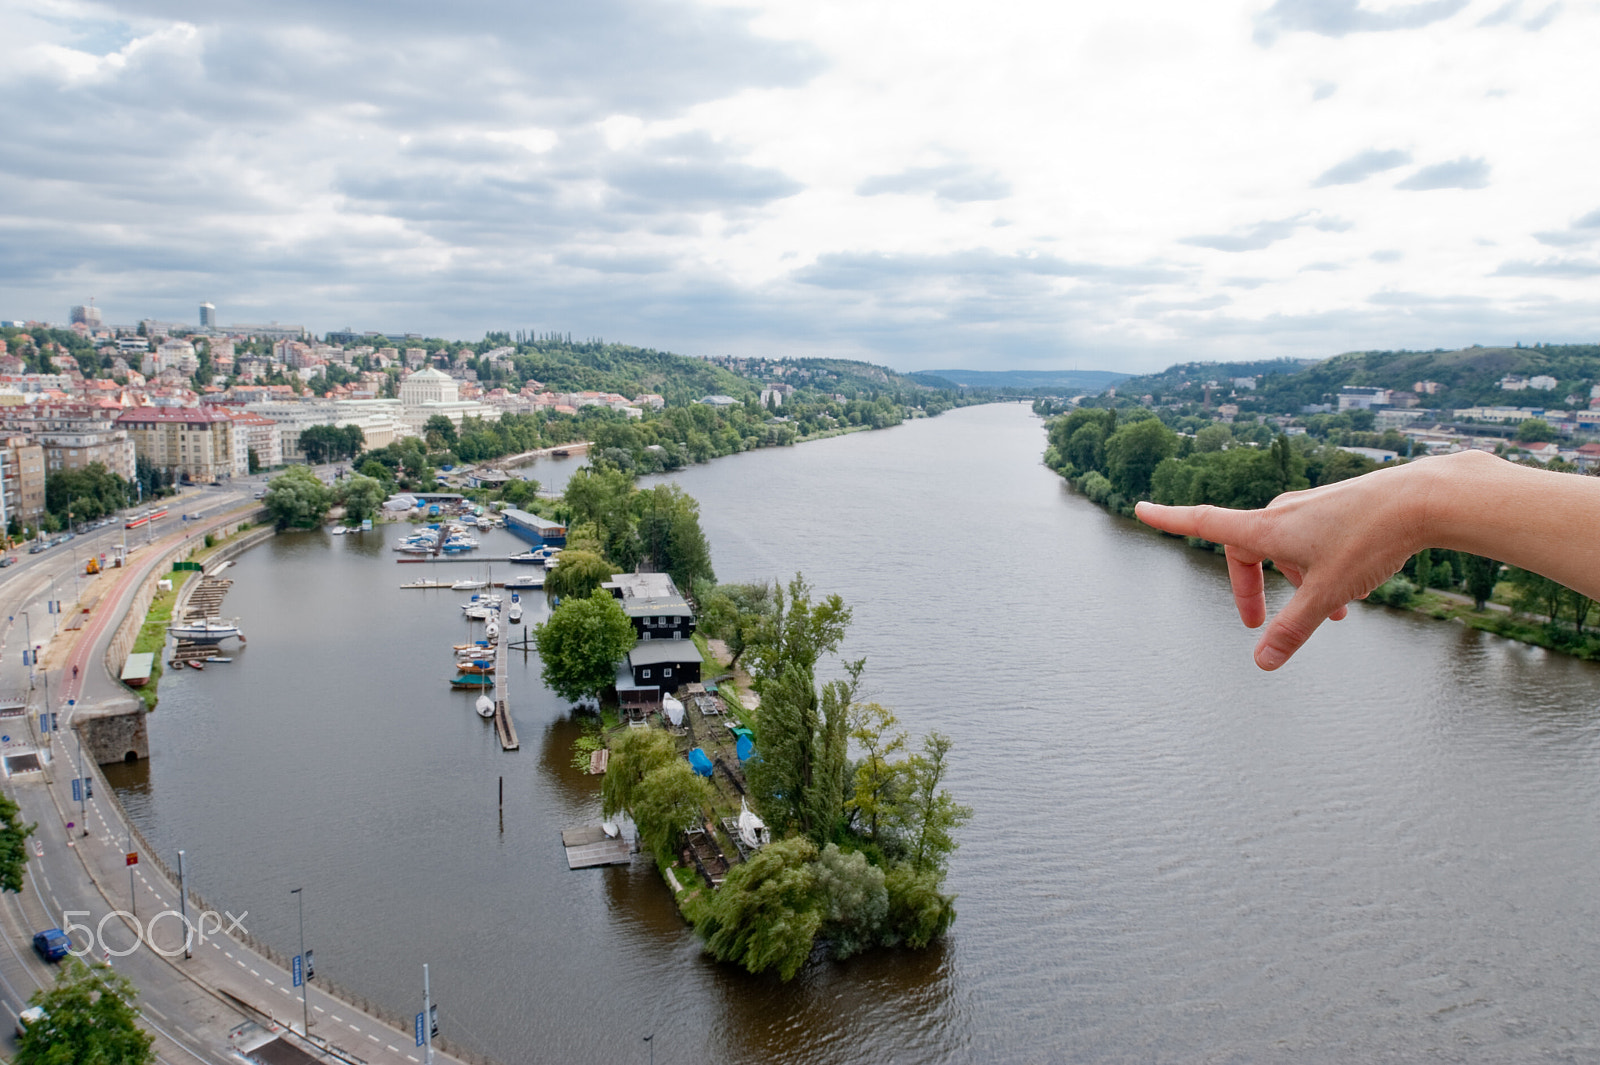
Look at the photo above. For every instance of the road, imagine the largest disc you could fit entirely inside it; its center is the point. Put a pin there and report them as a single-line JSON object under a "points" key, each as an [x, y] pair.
{"points": [[77, 876]]}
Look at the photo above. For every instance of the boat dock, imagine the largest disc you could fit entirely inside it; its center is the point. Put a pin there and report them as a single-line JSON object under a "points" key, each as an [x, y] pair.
{"points": [[589, 846], [476, 560], [503, 726]]}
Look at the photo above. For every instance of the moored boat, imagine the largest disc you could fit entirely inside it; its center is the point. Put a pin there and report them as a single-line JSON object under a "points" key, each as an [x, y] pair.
{"points": [[468, 681], [469, 585], [485, 706], [207, 630]]}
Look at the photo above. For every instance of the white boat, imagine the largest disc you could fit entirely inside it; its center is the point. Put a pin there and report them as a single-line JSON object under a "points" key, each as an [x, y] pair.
{"points": [[514, 613], [339, 530], [527, 557], [466, 584], [476, 611], [752, 830], [492, 628], [210, 630], [526, 580], [485, 706]]}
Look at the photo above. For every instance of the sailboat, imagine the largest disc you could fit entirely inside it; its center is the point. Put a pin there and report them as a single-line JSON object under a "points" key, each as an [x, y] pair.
{"points": [[485, 706]]}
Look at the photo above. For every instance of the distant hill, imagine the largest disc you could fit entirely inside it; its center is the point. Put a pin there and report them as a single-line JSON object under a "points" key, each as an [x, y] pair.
{"points": [[1052, 382], [1461, 378]]}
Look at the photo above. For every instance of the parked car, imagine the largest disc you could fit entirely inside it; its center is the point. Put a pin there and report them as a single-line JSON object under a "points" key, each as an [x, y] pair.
{"points": [[8, 560], [52, 944], [40, 546]]}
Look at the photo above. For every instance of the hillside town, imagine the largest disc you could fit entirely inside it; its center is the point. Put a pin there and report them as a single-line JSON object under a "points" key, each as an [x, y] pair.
{"points": [[263, 387]]}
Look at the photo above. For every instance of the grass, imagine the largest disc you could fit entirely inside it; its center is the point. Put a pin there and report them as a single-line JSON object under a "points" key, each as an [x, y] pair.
{"points": [[1554, 636], [153, 635]]}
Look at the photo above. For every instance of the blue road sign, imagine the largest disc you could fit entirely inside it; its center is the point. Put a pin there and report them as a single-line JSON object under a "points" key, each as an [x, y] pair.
{"points": [[298, 980], [77, 789], [419, 1029]]}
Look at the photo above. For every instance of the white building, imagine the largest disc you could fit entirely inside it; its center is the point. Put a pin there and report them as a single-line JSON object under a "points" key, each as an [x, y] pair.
{"points": [[431, 392]]}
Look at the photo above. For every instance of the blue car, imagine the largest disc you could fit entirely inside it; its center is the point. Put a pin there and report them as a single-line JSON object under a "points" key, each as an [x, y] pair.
{"points": [[52, 944]]}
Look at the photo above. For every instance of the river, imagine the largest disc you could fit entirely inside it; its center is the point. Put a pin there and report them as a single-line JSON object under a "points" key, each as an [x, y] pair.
{"points": [[1385, 850]]}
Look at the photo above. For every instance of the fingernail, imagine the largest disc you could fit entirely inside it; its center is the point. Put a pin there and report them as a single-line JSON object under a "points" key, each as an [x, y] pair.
{"points": [[1270, 658]]}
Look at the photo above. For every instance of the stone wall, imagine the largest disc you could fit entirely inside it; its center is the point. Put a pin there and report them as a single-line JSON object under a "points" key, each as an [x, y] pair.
{"points": [[115, 734]]}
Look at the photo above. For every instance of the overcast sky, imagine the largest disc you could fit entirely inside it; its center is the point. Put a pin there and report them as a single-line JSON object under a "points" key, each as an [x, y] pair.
{"points": [[932, 184]]}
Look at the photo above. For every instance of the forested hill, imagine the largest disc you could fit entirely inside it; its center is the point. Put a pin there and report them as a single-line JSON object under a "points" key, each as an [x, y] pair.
{"points": [[1044, 382], [1468, 377]]}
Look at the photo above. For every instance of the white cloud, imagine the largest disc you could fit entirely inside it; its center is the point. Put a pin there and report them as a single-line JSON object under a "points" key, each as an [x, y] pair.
{"points": [[933, 183]]}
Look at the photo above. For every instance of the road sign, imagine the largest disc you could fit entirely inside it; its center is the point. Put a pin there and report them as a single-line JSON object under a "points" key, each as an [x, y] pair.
{"points": [[419, 1030], [298, 978], [133, 857], [311, 968], [77, 790], [433, 1020]]}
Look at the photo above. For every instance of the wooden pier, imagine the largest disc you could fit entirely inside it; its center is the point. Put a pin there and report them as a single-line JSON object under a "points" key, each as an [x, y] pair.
{"points": [[589, 846], [503, 726]]}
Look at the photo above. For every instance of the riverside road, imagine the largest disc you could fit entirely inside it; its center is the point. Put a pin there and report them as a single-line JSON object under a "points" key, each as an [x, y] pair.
{"points": [[78, 877]]}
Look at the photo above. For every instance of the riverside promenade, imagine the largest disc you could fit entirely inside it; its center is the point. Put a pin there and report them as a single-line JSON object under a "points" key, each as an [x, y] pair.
{"points": [[78, 876]]}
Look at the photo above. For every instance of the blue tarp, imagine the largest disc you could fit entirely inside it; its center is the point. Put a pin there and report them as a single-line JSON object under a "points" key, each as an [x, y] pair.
{"points": [[744, 748], [699, 762]]}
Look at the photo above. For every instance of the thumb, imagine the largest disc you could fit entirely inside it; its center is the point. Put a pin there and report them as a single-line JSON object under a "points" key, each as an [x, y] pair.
{"points": [[1289, 631]]}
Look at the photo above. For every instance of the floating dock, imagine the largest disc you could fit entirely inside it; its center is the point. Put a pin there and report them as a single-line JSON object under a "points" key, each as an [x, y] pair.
{"points": [[589, 846], [503, 726]]}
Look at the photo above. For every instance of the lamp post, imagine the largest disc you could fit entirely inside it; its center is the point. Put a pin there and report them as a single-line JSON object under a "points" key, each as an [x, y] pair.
{"points": [[305, 1009], [427, 1015], [27, 632], [183, 903]]}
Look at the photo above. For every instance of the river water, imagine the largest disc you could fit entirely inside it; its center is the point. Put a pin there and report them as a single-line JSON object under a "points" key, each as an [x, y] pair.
{"points": [[1385, 850]]}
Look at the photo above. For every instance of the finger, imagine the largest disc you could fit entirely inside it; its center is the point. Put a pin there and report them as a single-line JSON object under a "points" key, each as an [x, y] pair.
{"points": [[1249, 595], [1216, 524], [1340, 614], [1293, 626]]}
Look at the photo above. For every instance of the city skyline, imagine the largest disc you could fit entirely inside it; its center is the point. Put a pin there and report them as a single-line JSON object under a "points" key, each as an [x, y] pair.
{"points": [[1023, 187]]}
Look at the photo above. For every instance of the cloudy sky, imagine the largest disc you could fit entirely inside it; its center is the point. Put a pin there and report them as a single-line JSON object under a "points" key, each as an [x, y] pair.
{"points": [[1004, 184]]}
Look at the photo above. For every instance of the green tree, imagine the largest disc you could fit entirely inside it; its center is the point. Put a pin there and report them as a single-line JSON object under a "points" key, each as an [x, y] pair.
{"points": [[297, 499], [873, 728], [439, 431], [804, 744], [254, 460], [362, 496], [1535, 431], [1422, 569], [667, 801], [13, 845], [581, 644], [1482, 573], [918, 912], [928, 816], [1134, 451], [855, 900], [578, 574], [767, 912], [736, 614], [797, 631], [604, 497], [635, 753], [90, 1020], [1214, 437]]}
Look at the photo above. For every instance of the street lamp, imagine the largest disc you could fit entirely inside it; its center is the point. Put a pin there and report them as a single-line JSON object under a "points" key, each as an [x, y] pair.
{"points": [[300, 961], [27, 631]]}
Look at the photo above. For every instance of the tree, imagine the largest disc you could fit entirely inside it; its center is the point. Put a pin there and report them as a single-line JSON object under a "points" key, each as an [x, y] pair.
{"points": [[1535, 431], [297, 499], [13, 845], [581, 644], [873, 729], [1134, 451], [918, 912], [89, 1018], [929, 816], [604, 497], [667, 801], [797, 631], [1422, 569], [804, 743], [767, 912], [669, 533], [578, 574], [855, 899], [254, 460], [1214, 437], [635, 754], [362, 497], [439, 431], [736, 614]]}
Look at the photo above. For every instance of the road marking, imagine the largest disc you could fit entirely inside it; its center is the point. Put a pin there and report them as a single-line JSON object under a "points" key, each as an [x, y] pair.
{"points": [[158, 1013], [319, 1009], [336, 1017], [285, 990], [253, 972], [375, 1039], [353, 1028], [392, 1050], [269, 982]]}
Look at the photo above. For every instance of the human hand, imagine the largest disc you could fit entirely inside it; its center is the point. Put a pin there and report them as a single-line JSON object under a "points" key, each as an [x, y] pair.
{"points": [[1334, 544]]}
